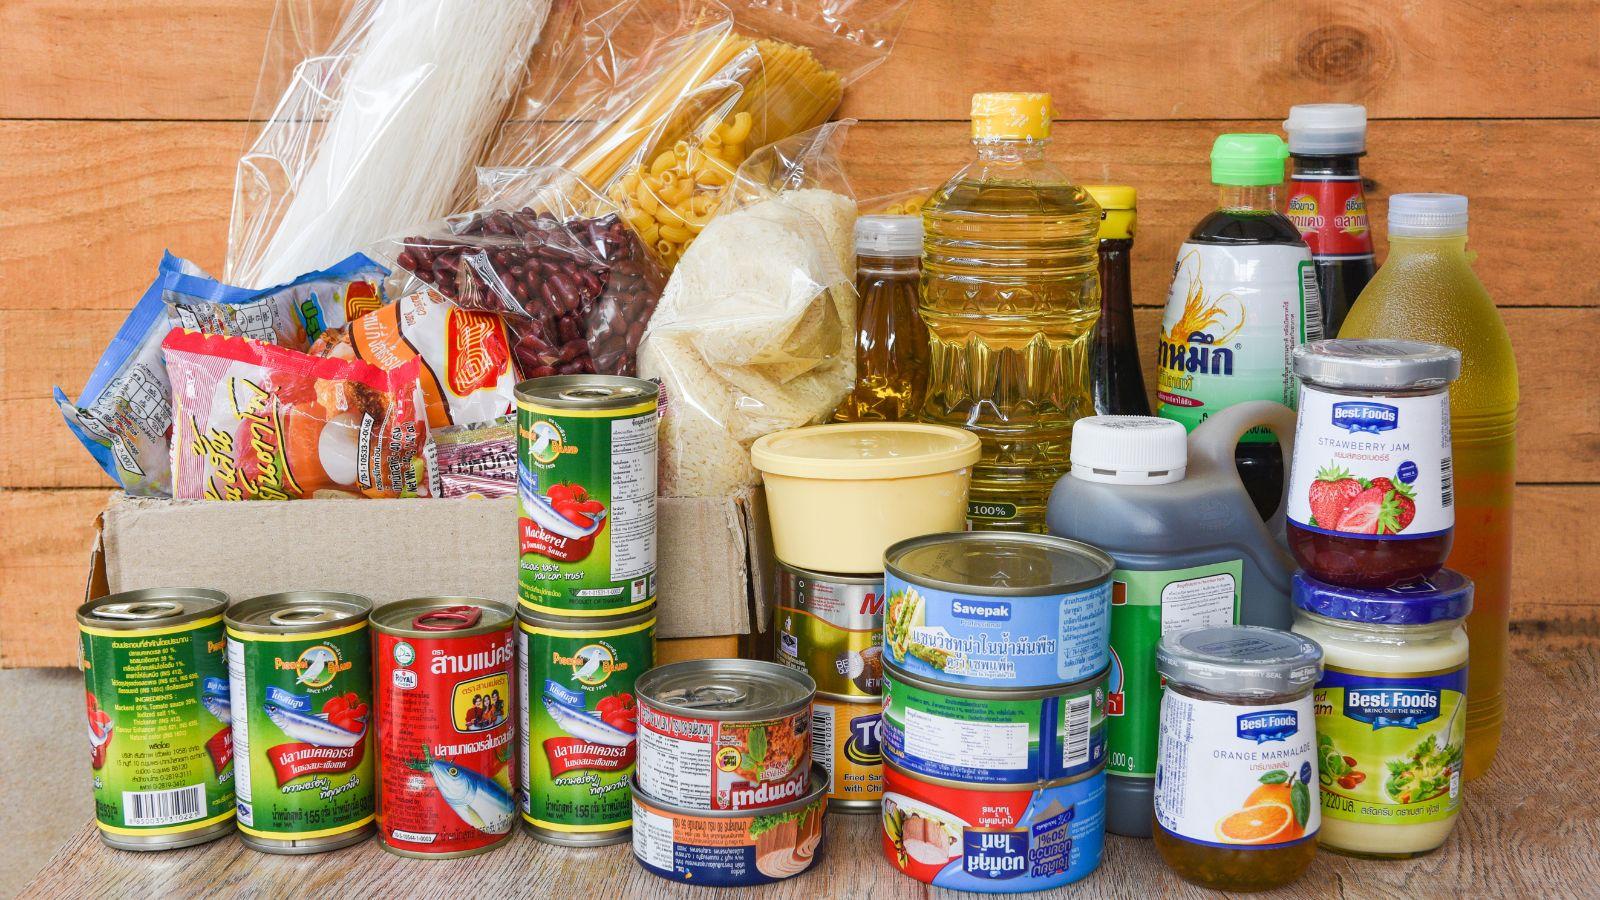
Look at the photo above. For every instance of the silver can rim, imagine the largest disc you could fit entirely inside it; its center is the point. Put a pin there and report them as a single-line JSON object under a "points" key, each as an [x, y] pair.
{"points": [[644, 689], [1102, 560], [505, 616], [356, 610], [979, 692], [205, 601]]}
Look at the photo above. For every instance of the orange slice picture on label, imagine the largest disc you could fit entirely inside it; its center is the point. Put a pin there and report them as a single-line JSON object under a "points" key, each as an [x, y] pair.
{"points": [[1264, 823]]}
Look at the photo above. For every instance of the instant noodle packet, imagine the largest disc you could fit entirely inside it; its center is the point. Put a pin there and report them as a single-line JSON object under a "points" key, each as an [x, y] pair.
{"points": [[292, 314], [253, 421]]}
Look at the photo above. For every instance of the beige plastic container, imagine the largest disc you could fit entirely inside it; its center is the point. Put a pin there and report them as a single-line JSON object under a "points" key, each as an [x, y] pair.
{"points": [[839, 495]]}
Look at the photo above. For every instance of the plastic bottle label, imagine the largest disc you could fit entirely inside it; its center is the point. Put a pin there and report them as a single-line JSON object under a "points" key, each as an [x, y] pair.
{"points": [[1372, 466], [1237, 776], [1234, 315], [1389, 747], [1144, 607], [1331, 213]]}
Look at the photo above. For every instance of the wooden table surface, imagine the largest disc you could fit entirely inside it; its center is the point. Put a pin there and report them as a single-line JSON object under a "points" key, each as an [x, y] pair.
{"points": [[1531, 828]]}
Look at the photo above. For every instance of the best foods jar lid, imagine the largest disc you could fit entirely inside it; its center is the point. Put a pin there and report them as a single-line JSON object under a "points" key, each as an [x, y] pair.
{"points": [[1445, 596], [1240, 659], [1377, 364], [862, 450]]}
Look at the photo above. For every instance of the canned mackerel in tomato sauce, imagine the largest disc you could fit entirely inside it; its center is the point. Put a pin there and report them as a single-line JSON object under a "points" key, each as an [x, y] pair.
{"points": [[586, 494], [446, 733], [725, 733], [156, 681]]}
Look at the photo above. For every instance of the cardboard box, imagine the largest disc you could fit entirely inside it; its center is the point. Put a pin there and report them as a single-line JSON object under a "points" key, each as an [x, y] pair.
{"points": [[713, 557]]}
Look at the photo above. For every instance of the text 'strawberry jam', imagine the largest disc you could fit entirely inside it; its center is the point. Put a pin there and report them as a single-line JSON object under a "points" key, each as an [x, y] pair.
{"points": [[1370, 495]]}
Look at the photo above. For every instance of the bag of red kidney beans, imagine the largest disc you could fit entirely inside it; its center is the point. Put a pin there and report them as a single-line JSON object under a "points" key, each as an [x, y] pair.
{"points": [[555, 259]]}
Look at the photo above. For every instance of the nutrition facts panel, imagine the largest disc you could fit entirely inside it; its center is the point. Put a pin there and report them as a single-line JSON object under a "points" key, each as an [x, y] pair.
{"points": [[633, 497], [672, 769]]}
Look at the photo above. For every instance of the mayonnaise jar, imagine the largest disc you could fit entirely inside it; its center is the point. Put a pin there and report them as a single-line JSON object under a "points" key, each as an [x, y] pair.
{"points": [[1390, 711]]}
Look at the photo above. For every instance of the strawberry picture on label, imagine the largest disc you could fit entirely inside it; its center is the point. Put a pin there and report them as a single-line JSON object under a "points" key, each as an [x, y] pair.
{"points": [[1380, 507], [1331, 495]]}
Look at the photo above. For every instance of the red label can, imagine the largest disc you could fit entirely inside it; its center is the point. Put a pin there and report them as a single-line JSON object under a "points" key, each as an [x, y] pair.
{"points": [[446, 748]]}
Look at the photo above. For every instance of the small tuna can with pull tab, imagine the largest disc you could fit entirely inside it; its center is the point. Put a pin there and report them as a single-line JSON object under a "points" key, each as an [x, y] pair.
{"points": [[156, 685], [445, 725], [725, 734], [831, 627], [997, 610], [586, 495], [300, 678], [730, 848], [576, 681]]}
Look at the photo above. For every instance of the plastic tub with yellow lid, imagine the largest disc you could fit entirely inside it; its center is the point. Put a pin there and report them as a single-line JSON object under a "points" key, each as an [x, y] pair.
{"points": [[839, 495]]}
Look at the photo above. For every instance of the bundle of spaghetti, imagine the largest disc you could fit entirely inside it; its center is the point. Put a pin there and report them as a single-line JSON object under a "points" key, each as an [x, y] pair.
{"points": [[378, 134]]}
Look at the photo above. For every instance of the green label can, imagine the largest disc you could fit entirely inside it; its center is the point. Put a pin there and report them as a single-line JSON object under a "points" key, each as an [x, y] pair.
{"points": [[1145, 606], [576, 687], [299, 664], [156, 687], [586, 494]]}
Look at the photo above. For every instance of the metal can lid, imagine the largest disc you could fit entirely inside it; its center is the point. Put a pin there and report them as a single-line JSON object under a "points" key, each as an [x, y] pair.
{"points": [[998, 563], [296, 612], [587, 391], [1377, 364], [151, 608], [1247, 660], [442, 616], [1444, 597], [586, 624], [726, 689]]}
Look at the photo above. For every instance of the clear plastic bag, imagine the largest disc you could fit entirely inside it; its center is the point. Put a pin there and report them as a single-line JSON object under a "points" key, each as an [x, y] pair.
{"points": [[755, 332], [373, 128], [658, 105]]}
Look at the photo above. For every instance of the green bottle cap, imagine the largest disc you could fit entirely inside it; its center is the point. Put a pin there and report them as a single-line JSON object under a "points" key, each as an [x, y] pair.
{"points": [[1248, 159]]}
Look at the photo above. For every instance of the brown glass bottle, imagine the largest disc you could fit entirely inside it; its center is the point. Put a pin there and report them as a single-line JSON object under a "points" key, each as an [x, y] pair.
{"points": [[891, 339], [1116, 381]]}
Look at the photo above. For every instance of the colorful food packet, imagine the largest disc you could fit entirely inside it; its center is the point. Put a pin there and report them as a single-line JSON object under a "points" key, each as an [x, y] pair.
{"points": [[253, 421], [467, 373], [477, 460], [289, 315], [124, 415]]}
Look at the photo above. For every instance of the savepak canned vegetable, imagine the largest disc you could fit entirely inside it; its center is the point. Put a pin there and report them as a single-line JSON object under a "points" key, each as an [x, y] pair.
{"points": [[576, 683], [725, 733], [944, 732], [993, 609], [994, 840], [156, 685], [442, 688], [300, 678], [845, 745], [586, 494], [831, 627], [736, 848]]}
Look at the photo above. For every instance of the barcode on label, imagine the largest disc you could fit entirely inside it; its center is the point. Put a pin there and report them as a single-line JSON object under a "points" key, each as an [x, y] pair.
{"points": [[1310, 302], [1075, 744], [1447, 483], [822, 740], [145, 808]]}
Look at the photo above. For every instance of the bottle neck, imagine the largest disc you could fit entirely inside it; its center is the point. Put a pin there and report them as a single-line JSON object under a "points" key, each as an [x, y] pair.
{"points": [[1000, 150], [1344, 164], [1248, 198], [888, 265], [1447, 245]]}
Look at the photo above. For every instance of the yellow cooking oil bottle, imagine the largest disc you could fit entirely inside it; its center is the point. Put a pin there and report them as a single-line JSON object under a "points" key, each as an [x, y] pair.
{"points": [[1427, 291], [1010, 292]]}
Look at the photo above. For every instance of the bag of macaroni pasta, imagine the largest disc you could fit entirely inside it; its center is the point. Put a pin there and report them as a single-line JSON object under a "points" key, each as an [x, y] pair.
{"points": [[755, 332]]}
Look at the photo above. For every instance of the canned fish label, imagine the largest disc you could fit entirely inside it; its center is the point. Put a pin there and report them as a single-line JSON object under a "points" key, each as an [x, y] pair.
{"points": [[715, 764], [844, 741], [301, 714], [990, 840], [445, 735], [993, 739], [831, 629], [579, 737], [729, 849], [159, 738], [997, 641], [586, 501]]}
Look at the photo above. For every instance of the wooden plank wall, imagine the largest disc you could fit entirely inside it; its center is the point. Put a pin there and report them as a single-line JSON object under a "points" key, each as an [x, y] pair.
{"points": [[120, 121]]}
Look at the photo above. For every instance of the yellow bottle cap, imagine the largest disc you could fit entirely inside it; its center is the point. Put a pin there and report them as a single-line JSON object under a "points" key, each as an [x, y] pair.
{"points": [[1117, 205], [1011, 116]]}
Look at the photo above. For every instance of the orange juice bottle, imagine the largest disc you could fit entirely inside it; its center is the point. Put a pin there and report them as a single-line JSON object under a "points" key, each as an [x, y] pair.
{"points": [[1426, 291]]}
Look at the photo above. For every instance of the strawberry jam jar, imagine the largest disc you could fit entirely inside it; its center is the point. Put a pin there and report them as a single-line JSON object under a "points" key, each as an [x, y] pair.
{"points": [[1370, 499]]}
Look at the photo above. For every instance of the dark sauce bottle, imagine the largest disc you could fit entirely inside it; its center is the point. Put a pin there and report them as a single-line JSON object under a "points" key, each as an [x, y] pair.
{"points": [[1326, 201], [1116, 381]]}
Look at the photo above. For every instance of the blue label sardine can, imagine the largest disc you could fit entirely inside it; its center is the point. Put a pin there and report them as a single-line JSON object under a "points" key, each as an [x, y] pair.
{"points": [[730, 847], [997, 609], [997, 841], [956, 734]]}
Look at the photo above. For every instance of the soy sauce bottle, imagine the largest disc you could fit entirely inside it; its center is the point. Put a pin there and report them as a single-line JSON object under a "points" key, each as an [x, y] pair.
{"points": [[1116, 381], [1326, 142]]}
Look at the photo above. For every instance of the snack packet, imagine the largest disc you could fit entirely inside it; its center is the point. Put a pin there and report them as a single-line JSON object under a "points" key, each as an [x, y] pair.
{"points": [[253, 421], [467, 374], [477, 460], [290, 315]]}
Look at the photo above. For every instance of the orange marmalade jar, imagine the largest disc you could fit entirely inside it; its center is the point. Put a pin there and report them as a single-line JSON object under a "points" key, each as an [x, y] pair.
{"points": [[1236, 765]]}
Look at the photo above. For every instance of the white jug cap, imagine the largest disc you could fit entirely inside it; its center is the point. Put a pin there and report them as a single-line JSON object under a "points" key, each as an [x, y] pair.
{"points": [[1427, 215], [1129, 450], [1327, 129], [889, 236]]}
